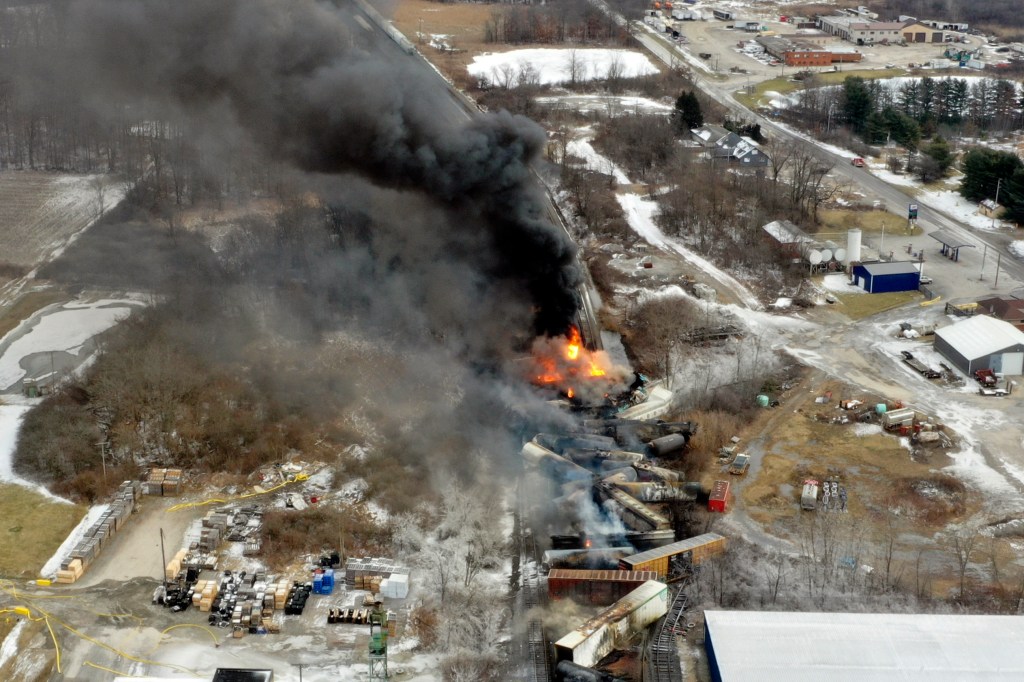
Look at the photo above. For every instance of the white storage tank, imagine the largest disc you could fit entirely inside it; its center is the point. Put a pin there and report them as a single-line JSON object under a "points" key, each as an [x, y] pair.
{"points": [[853, 245]]}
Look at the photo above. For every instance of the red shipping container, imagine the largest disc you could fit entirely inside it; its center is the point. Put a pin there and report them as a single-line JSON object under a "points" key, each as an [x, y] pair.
{"points": [[719, 499]]}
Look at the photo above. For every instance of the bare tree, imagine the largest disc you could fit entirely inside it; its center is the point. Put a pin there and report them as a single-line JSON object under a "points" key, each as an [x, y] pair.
{"points": [[962, 545]]}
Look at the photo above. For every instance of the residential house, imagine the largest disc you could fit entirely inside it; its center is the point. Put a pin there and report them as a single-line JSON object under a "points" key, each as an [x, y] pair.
{"points": [[720, 143], [1006, 308]]}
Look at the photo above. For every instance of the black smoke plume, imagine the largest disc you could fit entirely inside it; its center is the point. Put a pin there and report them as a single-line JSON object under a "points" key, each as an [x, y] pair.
{"points": [[293, 78]]}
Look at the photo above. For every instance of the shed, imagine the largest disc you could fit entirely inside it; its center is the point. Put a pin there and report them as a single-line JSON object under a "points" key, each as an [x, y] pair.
{"points": [[880, 278], [982, 342]]}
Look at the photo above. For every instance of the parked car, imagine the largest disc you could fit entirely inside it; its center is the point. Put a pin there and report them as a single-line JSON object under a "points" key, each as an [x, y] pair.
{"points": [[925, 279], [740, 465]]}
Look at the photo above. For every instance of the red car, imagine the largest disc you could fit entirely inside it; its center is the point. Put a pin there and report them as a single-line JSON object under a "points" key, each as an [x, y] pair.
{"points": [[858, 162]]}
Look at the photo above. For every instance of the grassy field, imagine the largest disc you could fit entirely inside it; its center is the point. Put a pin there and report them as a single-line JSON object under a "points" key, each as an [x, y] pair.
{"points": [[25, 306], [783, 85], [35, 525], [460, 24], [859, 306], [842, 219], [877, 471]]}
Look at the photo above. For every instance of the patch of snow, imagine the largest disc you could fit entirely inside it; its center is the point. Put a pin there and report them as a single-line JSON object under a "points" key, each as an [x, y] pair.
{"points": [[970, 464], [10, 643], [378, 512], [841, 283], [612, 105], [1017, 248], [52, 565], [867, 429], [596, 161], [64, 329], [10, 423], [554, 65], [640, 213]]}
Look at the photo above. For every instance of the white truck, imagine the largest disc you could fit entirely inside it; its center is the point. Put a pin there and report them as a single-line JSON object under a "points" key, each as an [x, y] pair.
{"points": [[809, 496]]}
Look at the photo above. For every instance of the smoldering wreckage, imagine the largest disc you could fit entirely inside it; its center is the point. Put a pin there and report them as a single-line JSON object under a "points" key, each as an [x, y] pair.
{"points": [[325, 117], [618, 548]]}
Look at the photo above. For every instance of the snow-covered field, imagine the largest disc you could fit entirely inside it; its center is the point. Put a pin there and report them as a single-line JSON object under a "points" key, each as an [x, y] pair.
{"points": [[610, 105], [553, 66], [65, 328], [841, 284], [41, 212]]}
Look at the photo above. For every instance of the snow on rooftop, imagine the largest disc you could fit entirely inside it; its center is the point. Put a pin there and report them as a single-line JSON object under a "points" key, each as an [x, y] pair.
{"points": [[981, 335], [863, 647], [555, 65]]}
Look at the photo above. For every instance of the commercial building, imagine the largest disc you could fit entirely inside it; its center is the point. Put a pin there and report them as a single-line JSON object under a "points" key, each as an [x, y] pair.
{"points": [[982, 342], [919, 32], [880, 278], [798, 52], [858, 31], [862, 647]]}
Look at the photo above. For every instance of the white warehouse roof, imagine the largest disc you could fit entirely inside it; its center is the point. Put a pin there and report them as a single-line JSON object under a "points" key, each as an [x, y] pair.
{"points": [[864, 647], [980, 335]]}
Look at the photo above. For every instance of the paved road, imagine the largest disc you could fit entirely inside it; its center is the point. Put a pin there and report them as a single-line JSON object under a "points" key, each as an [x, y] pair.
{"points": [[873, 187]]}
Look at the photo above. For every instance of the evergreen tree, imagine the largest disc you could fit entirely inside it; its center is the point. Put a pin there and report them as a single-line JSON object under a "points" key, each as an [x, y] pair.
{"points": [[1011, 195], [688, 114], [857, 103], [983, 169]]}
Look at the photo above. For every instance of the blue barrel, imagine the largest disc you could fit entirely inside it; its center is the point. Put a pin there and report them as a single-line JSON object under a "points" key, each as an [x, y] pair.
{"points": [[881, 408], [763, 400]]}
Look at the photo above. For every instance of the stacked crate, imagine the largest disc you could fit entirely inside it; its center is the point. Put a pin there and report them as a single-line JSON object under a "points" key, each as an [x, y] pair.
{"points": [[166, 482], [174, 565], [70, 571], [209, 539], [208, 594], [172, 482], [155, 482], [281, 594]]}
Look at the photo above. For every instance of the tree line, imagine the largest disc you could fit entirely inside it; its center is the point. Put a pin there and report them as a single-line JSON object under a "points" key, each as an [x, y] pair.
{"points": [[910, 110], [572, 21]]}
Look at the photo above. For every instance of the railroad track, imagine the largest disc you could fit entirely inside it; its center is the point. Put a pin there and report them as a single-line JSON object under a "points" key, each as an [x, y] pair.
{"points": [[537, 666], [662, 661]]}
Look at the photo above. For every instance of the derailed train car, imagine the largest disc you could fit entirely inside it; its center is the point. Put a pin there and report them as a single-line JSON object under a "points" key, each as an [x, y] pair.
{"points": [[614, 627]]}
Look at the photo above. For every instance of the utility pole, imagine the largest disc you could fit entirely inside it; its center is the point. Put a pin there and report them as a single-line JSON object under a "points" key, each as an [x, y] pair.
{"points": [[881, 242], [103, 459], [163, 558], [995, 208], [999, 259], [984, 252]]}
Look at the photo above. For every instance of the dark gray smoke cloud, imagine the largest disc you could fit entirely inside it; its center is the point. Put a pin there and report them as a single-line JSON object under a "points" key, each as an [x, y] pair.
{"points": [[284, 75]]}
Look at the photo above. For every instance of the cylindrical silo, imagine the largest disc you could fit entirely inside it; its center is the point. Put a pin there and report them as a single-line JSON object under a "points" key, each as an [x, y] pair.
{"points": [[853, 245]]}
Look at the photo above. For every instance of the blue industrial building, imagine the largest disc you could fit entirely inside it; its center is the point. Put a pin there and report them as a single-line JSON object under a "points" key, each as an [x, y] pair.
{"points": [[881, 278]]}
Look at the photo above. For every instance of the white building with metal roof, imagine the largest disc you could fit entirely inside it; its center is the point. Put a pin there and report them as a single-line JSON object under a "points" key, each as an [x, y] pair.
{"points": [[752, 646], [982, 342]]}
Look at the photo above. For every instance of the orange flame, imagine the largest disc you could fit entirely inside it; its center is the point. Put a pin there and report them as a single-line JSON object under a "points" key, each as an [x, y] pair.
{"points": [[560, 363]]}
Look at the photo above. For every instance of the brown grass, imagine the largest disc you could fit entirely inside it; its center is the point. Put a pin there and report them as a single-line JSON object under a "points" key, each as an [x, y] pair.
{"points": [[876, 470], [935, 499], [289, 533], [859, 306], [842, 219], [462, 22], [33, 524], [25, 307]]}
